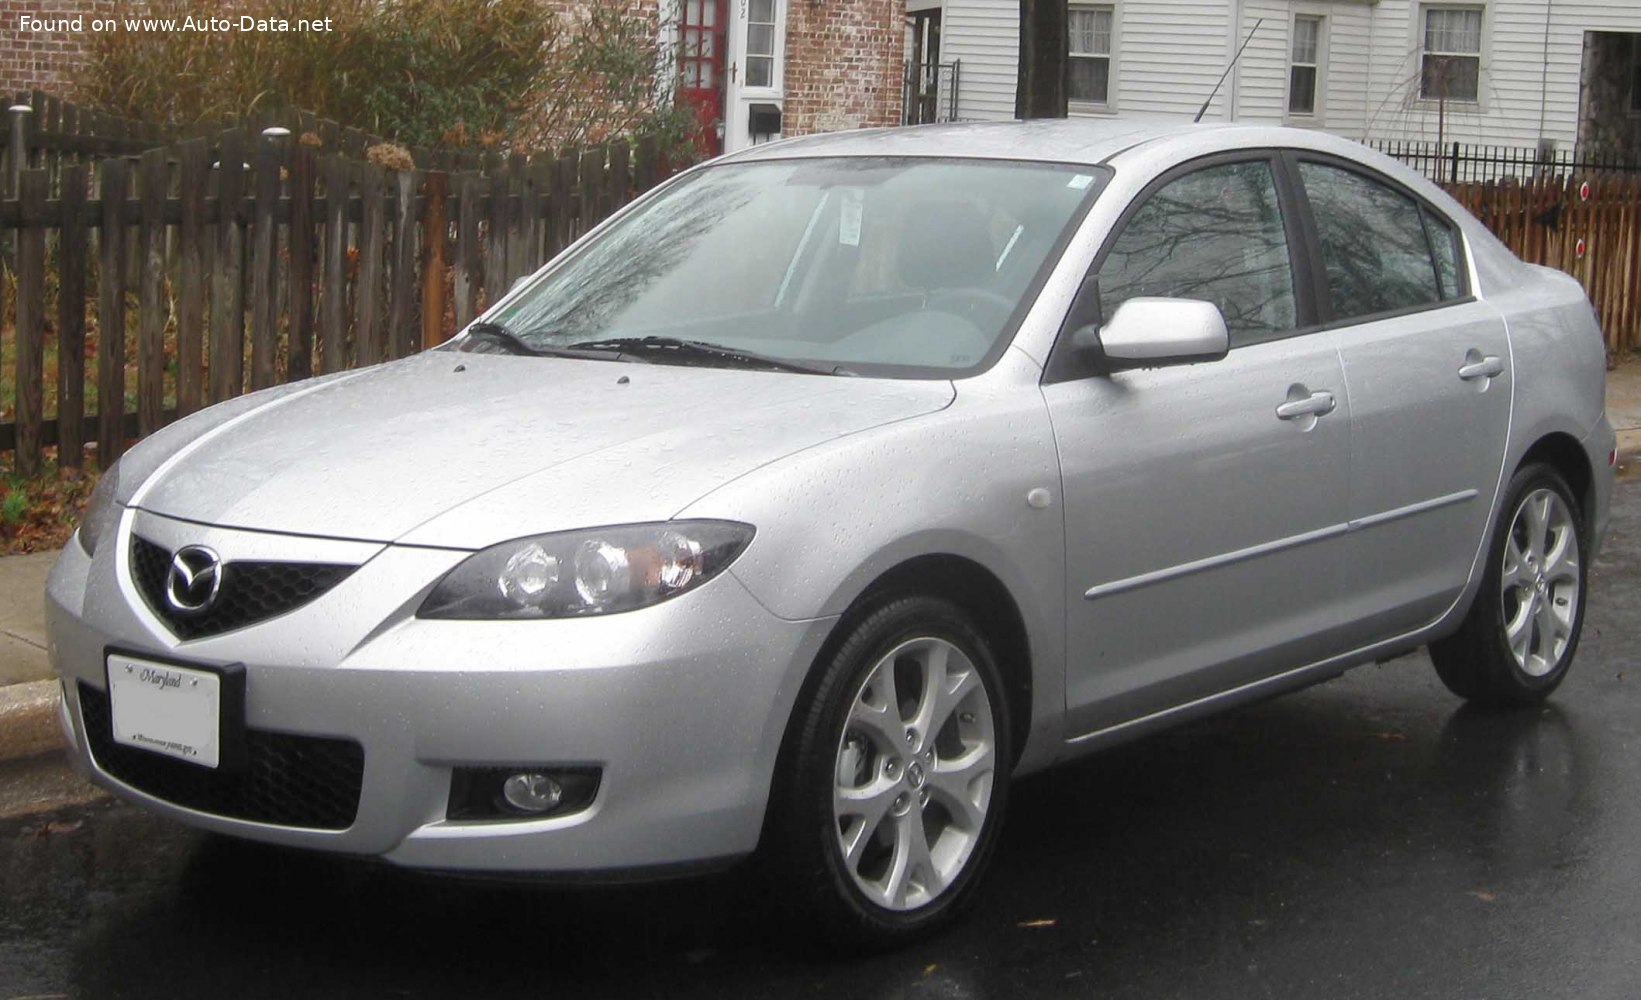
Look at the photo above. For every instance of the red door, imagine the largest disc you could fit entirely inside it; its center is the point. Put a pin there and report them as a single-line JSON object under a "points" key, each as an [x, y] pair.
{"points": [[701, 45]]}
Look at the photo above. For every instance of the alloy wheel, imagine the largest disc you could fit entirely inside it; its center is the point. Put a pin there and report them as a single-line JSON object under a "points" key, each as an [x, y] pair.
{"points": [[916, 762], [1540, 582]]}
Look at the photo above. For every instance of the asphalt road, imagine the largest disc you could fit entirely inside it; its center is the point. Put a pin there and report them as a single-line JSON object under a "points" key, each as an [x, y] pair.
{"points": [[1366, 838]]}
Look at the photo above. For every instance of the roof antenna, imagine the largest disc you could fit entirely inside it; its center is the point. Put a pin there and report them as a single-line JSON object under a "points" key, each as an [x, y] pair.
{"points": [[1222, 76]]}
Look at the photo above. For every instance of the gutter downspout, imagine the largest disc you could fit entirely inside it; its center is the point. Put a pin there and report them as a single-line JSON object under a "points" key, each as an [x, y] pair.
{"points": [[1367, 91], [1544, 78], [1232, 36]]}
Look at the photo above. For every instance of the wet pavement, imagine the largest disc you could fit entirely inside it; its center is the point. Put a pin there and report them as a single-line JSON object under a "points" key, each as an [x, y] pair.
{"points": [[1368, 837]]}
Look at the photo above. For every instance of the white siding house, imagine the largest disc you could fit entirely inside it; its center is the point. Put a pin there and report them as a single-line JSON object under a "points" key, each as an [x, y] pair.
{"points": [[1513, 71]]}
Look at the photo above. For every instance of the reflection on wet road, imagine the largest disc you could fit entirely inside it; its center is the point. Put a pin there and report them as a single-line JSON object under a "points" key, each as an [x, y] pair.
{"points": [[1365, 838]]}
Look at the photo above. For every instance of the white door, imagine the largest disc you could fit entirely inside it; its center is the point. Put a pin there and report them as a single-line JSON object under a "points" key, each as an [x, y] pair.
{"points": [[757, 71]]}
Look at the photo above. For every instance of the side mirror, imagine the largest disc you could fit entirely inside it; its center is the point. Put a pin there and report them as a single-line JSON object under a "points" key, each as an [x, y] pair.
{"points": [[1157, 333]]}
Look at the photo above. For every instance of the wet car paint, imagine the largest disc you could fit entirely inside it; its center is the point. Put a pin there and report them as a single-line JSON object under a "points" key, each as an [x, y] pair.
{"points": [[1365, 838]]}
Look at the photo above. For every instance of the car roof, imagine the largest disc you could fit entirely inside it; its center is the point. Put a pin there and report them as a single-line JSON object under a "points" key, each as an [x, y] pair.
{"points": [[1074, 140]]}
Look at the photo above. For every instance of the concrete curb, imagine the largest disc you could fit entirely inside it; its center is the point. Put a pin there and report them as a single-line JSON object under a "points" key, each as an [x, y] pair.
{"points": [[28, 719]]}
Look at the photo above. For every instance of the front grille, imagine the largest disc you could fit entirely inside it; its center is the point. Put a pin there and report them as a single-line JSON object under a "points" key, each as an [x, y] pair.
{"points": [[300, 781], [250, 592]]}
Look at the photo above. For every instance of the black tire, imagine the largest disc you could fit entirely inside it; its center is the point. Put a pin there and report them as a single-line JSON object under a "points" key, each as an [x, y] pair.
{"points": [[804, 847], [1477, 662]]}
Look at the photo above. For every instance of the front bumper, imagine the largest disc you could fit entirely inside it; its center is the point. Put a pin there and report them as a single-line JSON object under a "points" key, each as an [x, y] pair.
{"points": [[682, 705]]}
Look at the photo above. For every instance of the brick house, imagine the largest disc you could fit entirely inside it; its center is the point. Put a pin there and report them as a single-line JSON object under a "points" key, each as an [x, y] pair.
{"points": [[757, 69], [752, 69]]}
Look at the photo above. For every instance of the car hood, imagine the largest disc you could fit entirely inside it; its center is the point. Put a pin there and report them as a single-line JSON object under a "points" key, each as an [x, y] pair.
{"points": [[464, 450]]}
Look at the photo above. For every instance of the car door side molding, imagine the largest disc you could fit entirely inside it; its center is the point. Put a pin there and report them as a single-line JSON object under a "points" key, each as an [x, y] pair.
{"points": [[1272, 547]]}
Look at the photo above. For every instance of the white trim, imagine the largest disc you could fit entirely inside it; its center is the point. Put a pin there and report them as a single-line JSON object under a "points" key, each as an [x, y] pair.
{"points": [[669, 15]]}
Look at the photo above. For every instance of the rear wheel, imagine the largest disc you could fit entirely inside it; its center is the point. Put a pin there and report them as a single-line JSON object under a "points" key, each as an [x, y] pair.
{"points": [[892, 802], [1518, 641]]}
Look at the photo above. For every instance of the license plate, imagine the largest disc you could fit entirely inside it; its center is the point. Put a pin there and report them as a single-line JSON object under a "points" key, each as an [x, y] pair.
{"points": [[166, 709]]}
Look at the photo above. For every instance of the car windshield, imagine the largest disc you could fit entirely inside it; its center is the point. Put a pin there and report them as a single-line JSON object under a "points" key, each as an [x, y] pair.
{"points": [[898, 267]]}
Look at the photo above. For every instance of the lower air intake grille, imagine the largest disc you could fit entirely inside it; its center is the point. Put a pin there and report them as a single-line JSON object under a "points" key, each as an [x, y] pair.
{"points": [[300, 781]]}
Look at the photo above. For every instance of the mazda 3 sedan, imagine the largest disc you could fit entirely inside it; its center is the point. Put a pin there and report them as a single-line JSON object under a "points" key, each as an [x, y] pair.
{"points": [[819, 494]]}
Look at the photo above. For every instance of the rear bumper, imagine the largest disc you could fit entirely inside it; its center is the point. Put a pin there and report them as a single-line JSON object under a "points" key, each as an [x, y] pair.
{"points": [[682, 706]]}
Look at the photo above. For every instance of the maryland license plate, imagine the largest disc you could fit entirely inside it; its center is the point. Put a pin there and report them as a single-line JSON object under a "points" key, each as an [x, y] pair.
{"points": [[166, 709]]}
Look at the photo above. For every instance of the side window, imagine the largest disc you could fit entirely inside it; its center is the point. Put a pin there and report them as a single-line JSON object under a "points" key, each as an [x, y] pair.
{"points": [[1215, 235], [1444, 245], [1373, 243]]}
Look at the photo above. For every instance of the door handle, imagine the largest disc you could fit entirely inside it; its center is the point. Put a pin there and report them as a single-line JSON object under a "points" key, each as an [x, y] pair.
{"points": [[1488, 367], [1317, 404]]}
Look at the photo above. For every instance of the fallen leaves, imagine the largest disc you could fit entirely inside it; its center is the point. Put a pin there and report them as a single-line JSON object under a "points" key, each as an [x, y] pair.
{"points": [[1484, 895], [38, 514]]}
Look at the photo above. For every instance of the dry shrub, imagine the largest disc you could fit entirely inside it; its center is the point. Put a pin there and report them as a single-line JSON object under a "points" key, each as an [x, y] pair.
{"points": [[498, 73], [390, 155]]}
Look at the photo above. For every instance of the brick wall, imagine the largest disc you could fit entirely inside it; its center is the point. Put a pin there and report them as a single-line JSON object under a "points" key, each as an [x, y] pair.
{"points": [[843, 65], [45, 60]]}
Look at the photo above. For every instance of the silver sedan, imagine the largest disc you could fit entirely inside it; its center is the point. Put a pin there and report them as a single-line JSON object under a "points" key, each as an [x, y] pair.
{"points": [[816, 496]]}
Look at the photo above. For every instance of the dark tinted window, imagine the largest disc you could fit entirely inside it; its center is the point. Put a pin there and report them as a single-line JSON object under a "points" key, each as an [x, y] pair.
{"points": [[1373, 243], [1215, 235]]}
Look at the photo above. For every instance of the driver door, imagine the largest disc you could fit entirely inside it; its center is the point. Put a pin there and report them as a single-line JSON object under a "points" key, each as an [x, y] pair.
{"points": [[1204, 531]]}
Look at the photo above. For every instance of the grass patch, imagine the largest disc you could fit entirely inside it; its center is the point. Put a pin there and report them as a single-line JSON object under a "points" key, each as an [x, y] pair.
{"points": [[39, 513]]}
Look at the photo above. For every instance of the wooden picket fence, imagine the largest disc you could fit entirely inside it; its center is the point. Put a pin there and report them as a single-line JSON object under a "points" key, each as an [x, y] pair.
{"points": [[255, 257], [1588, 226]]}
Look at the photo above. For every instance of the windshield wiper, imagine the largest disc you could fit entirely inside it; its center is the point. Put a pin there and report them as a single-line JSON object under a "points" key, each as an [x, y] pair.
{"points": [[665, 349], [504, 336]]}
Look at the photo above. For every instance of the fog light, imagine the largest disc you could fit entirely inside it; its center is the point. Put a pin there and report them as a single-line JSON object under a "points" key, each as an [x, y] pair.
{"points": [[521, 792], [532, 793]]}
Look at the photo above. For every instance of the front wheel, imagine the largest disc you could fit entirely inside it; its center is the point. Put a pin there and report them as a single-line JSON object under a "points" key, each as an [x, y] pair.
{"points": [[895, 789], [1518, 640]]}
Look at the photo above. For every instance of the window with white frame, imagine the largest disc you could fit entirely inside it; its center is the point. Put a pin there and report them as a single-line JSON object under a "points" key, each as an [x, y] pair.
{"points": [[1090, 29], [1305, 66], [1450, 57], [760, 43]]}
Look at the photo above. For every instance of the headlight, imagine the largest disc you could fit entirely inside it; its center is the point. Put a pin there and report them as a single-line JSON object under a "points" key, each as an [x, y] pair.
{"points": [[101, 512], [599, 571]]}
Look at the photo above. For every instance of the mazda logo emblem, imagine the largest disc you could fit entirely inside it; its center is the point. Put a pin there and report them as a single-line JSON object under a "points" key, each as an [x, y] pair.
{"points": [[192, 582]]}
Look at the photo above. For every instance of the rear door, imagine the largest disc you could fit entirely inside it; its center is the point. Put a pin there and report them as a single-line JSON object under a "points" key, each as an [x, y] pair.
{"points": [[1428, 370]]}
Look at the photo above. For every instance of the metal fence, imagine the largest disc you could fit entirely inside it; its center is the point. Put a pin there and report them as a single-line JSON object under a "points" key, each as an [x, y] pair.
{"points": [[931, 92], [1470, 163]]}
